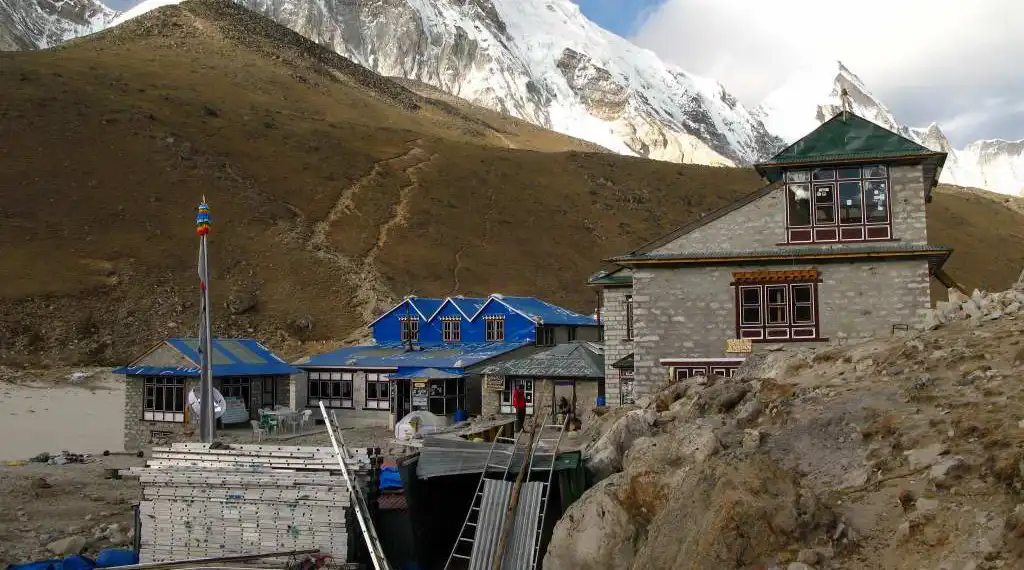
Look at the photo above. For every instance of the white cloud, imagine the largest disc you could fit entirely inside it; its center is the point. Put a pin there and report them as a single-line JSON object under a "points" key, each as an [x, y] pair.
{"points": [[957, 52]]}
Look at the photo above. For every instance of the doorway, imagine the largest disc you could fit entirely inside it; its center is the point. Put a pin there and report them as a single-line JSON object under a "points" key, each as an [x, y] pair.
{"points": [[401, 393]]}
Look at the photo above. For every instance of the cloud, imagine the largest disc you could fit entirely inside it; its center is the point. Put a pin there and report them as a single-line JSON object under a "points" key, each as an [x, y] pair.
{"points": [[927, 60]]}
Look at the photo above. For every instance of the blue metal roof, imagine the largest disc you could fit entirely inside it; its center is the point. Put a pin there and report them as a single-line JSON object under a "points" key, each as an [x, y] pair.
{"points": [[450, 356], [532, 308], [231, 357], [425, 373]]}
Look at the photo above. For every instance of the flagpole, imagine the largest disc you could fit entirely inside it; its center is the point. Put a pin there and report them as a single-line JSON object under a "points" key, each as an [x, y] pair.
{"points": [[207, 427]]}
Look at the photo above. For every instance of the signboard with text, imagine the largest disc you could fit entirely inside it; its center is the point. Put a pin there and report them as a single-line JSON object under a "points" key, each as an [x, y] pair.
{"points": [[742, 345]]}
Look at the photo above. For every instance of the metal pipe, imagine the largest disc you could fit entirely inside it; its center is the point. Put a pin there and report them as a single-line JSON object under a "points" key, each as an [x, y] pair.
{"points": [[214, 560]]}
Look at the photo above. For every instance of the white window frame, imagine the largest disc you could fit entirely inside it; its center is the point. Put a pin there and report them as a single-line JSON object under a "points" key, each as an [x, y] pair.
{"points": [[165, 384], [329, 379], [494, 329], [506, 394], [378, 402], [410, 330], [451, 329]]}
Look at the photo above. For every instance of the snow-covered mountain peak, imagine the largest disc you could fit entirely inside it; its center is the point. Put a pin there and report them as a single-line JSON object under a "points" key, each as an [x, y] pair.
{"points": [[41, 24]]}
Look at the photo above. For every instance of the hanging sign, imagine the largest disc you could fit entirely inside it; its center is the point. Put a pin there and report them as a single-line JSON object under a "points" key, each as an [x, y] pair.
{"points": [[495, 383], [419, 393]]}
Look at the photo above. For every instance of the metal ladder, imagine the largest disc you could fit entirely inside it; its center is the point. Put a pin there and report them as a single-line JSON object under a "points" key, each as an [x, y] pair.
{"points": [[550, 444], [503, 462], [362, 509]]}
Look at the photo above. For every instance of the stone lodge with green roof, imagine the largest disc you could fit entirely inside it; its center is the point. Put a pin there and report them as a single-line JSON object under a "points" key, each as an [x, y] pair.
{"points": [[834, 247]]}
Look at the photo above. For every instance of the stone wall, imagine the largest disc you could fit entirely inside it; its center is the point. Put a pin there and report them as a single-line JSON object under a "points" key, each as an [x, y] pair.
{"points": [[690, 312], [587, 392], [616, 347], [761, 224], [138, 432]]}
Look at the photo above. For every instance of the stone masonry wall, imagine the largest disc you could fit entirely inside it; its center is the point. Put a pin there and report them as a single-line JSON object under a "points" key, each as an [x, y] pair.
{"points": [[613, 318], [137, 432], [761, 224], [690, 312]]}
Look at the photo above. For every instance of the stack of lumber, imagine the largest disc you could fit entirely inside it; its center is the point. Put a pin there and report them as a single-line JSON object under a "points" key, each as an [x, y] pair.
{"points": [[249, 499]]}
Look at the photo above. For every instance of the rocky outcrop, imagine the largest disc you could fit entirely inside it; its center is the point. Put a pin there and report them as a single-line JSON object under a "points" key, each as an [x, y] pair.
{"points": [[980, 306], [39, 24]]}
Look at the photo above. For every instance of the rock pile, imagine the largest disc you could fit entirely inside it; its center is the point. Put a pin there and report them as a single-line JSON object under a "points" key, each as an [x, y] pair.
{"points": [[979, 307]]}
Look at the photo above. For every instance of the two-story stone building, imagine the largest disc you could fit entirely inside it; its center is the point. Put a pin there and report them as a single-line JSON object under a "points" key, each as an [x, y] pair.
{"points": [[834, 247], [427, 353]]}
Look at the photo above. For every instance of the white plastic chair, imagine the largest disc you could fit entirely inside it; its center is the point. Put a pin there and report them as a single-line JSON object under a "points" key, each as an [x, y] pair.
{"points": [[258, 433], [307, 418]]}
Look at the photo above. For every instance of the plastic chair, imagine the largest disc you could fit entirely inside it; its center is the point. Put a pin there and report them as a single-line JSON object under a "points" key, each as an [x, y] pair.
{"points": [[306, 419], [257, 430]]}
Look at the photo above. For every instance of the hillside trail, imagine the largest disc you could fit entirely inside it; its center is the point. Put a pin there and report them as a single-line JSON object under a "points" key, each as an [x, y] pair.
{"points": [[371, 294], [903, 452]]}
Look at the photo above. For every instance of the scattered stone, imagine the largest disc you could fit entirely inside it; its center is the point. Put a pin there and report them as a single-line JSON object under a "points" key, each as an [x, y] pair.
{"points": [[722, 397], [67, 545], [241, 301], [749, 412], [925, 456], [798, 566], [947, 471], [808, 556], [751, 439], [855, 478], [925, 505], [923, 381], [864, 365], [895, 371]]}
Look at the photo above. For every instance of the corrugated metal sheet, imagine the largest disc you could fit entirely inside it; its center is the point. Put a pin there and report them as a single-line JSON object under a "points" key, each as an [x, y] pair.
{"points": [[231, 357], [428, 373], [441, 457], [443, 356], [522, 539], [576, 359]]}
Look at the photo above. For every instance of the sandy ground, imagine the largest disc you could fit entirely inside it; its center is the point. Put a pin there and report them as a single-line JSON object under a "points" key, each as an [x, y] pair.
{"points": [[51, 414]]}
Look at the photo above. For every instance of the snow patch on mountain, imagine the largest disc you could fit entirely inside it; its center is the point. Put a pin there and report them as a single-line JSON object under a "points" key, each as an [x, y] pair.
{"points": [[41, 24], [812, 96]]}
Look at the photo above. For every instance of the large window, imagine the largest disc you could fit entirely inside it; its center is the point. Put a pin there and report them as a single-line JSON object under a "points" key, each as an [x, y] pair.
{"points": [[239, 387], [506, 394], [495, 329], [545, 335], [334, 389], [838, 204], [164, 399], [446, 396], [378, 391], [629, 316], [451, 329], [410, 329], [773, 306]]}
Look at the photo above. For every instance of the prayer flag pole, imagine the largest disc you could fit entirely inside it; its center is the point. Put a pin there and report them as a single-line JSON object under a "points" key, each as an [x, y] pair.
{"points": [[205, 348]]}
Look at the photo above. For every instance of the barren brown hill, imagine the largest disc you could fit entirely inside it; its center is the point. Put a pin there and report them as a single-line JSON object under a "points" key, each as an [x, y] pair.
{"points": [[334, 191]]}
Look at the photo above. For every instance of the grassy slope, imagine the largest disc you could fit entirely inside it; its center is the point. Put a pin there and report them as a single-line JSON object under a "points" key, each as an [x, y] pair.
{"points": [[333, 190]]}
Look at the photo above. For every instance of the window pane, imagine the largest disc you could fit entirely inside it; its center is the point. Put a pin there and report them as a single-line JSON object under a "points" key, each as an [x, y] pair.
{"points": [[823, 174], [875, 171], [751, 296], [801, 293], [875, 198], [799, 205], [824, 215], [371, 390], [751, 316], [346, 389], [383, 389], [824, 194], [335, 389], [797, 176], [159, 403], [803, 314], [776, 295], [850, 211], [314, 389], [776, 315], [848, 173]]}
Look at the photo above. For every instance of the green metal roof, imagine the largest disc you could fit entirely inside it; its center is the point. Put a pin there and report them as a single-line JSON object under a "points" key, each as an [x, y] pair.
{"points": [[846, 138], [617, 276]]}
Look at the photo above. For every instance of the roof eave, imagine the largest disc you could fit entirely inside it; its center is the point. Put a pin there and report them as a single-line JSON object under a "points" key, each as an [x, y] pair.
{"points": [[945, 252]]}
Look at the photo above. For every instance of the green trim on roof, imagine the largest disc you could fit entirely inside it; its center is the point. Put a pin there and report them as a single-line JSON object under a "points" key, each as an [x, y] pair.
{"points": [[845, 138], [787, 253], [618, 276]]}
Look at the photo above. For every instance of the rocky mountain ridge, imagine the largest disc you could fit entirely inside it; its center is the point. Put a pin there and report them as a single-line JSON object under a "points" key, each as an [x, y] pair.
{"points": [[40, 24]]}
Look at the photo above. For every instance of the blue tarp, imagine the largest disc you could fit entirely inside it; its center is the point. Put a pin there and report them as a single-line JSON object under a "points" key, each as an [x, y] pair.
{"points": [[108, 558], [390, 478]]}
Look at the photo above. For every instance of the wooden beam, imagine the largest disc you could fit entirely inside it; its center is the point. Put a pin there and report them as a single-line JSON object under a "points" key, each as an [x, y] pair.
{"points": [[949, 282]]}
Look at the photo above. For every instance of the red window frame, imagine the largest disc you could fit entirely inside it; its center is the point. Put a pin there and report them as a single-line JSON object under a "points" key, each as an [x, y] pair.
{"points": [[781, 311], [824, 210]]}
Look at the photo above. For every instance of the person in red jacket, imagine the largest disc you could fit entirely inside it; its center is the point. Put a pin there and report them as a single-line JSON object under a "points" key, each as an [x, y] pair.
{"points": [[519, 405]]}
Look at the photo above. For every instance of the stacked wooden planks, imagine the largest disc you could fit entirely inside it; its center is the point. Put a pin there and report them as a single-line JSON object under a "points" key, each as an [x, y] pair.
{"points": [[248, 499]]}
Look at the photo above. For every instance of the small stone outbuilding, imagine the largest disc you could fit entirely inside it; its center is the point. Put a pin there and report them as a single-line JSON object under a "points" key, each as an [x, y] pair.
{"points": [[157, 384]]}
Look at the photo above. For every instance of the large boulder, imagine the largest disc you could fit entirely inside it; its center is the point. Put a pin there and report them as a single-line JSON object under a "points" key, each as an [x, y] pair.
{"points": [[604, 457], [595, 533]]}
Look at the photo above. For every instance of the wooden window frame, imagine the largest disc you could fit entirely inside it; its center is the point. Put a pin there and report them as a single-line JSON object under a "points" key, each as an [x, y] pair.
{"points": [[815, 232], [543, 332], [628, 302], [377, 402], [494, 329], [410, 331], [329, 380], [788, 329], [451, 329], [176, 387]]}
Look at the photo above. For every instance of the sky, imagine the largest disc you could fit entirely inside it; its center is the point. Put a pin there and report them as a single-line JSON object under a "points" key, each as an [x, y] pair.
{"points": [[954, 62], [946, 61]]}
